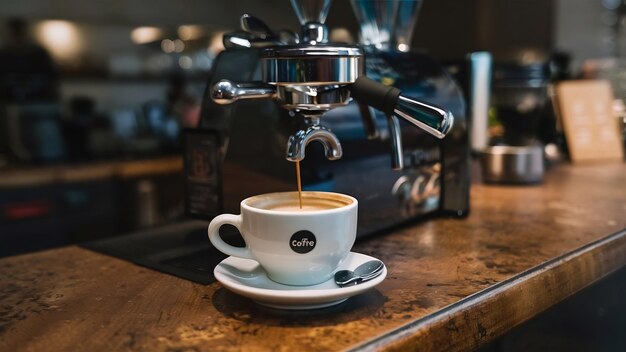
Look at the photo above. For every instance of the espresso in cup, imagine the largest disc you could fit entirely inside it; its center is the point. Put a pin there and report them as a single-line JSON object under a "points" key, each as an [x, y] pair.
{"points": [[295, 246], [312, 201]]}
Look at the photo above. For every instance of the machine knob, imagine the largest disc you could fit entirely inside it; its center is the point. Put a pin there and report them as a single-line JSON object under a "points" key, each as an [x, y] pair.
{"points": [[418, 190], [433, 186]]}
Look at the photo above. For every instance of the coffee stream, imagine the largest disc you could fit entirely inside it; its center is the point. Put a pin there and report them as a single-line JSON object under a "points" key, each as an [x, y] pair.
{"points": [[299, 183]]}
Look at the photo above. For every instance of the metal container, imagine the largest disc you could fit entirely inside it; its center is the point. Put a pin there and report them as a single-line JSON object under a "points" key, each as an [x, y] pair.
{"points": [[512, 164], [520, 94]]}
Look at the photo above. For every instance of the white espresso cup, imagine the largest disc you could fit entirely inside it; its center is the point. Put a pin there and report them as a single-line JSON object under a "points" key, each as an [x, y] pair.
{"points": [[295, 246]]}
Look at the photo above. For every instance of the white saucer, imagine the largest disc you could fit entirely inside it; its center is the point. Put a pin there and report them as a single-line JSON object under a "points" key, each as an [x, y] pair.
{"points": [[247, 278]]}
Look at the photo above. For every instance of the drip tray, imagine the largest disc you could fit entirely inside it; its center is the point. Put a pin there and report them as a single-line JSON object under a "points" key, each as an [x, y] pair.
{"points": [[182, 250]]}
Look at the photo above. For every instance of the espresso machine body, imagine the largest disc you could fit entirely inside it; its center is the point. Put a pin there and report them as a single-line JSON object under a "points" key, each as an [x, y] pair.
{"points": [[243, 148]]}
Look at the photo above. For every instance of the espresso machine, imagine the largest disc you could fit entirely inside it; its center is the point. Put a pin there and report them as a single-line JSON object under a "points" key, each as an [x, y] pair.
{"points": [[376, 120]]}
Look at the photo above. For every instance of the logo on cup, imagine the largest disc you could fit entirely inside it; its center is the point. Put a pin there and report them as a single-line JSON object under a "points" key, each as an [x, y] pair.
{"points": [[302, 241]]}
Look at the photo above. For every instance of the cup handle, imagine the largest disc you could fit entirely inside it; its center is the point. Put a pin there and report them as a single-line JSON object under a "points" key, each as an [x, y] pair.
{"points": [[214, 236]]}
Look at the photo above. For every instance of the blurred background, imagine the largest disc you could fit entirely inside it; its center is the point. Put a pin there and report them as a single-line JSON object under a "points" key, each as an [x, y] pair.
{"points": [[94, 95]]}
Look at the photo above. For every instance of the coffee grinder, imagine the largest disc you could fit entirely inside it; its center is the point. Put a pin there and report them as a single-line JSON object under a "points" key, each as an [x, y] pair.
{"points": [[375, 112]]}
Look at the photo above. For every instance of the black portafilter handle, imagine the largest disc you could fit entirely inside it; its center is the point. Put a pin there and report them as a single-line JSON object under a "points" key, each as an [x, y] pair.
{"points": [[433, 119]]}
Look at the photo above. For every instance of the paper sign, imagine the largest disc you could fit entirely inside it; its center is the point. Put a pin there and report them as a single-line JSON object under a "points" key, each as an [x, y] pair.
{"points": [[590, 125]]}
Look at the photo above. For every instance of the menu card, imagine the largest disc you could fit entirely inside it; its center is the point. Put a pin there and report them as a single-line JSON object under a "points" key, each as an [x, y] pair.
{"points": [[589, 123]]}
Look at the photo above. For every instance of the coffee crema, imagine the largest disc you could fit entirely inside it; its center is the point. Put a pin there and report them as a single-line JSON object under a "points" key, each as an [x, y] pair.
{"points": [[289, 202], [308, 205]]}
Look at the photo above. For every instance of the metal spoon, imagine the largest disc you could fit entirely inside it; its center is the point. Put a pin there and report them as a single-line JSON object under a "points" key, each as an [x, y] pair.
{"points": [[363, 272]]}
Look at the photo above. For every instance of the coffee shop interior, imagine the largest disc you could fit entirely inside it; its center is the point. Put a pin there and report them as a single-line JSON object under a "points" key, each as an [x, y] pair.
{"points": [[113, 141]]}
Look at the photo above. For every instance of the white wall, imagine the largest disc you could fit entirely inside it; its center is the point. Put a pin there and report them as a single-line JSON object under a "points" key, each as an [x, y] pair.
{"points": [[580, 30]]}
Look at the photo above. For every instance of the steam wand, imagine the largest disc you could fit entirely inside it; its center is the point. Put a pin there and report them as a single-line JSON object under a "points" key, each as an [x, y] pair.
{"points": [[430, 118]]}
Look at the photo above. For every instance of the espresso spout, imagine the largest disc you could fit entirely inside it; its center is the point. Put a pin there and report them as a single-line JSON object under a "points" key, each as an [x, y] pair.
{"points": [[297, 143]]}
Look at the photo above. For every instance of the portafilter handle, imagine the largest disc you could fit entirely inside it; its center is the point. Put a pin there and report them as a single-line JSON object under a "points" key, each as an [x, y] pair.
{"points": [[227, 92]]}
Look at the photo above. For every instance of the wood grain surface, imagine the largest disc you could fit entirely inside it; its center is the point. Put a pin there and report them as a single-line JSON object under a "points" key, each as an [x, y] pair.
{"points": [[37, 176], [452, 284]]}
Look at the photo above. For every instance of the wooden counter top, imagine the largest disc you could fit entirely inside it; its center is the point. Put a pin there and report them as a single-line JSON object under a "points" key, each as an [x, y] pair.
{"points": [[452, 284], [37, 176]]}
